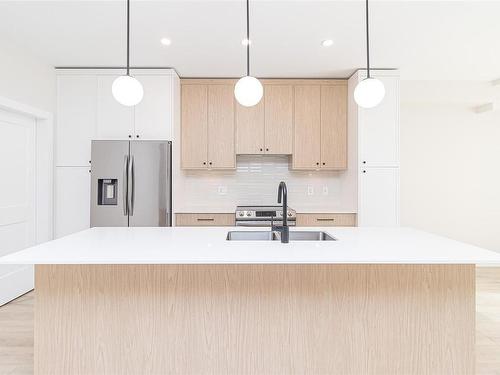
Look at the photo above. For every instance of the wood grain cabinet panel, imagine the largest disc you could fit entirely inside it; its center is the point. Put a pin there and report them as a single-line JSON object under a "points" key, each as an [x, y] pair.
{"points": [[221, 153], [250, 129], [207, 126], [333, 127], [204, 219], [307, 129], [278, 119], [320, 126], [194, 129], [326, 220]]}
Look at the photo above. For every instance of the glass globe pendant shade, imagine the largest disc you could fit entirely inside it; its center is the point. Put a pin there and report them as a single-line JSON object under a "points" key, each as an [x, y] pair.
{"points": [[369, 93], [127, 90], [248, 91]]}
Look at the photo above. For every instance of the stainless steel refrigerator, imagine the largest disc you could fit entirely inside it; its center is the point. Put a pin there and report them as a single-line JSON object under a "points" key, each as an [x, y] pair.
{"points": [[131, 184]]}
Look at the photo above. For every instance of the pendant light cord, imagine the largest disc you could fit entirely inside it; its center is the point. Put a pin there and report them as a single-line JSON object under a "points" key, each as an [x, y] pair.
{"points": [[128, 37], [367, 43], [248, 39]]}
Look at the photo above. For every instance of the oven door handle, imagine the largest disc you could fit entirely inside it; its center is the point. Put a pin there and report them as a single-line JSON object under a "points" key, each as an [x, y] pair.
{"points": [[260, 223]]}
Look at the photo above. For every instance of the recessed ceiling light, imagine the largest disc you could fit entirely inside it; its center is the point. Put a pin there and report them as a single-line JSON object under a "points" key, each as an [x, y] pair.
{"points": [[165, 41], [246, 42], [327, 43]]}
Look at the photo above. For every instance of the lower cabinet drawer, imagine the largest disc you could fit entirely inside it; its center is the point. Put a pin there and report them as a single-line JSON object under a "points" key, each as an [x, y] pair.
{"points": [[204, 220], [326, 220]]}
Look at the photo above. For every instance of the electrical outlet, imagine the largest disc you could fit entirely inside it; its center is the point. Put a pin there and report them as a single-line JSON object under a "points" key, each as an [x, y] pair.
{"points": [[222, 190], [325, 190], [310, 190]]}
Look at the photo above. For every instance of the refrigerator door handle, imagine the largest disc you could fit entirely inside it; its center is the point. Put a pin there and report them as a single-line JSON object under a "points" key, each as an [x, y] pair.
{"points": [[131, 186], [125, 186]]}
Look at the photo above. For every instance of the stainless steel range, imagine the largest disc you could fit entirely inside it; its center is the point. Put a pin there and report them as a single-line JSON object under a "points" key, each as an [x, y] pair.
{"points": [[262, 216]]}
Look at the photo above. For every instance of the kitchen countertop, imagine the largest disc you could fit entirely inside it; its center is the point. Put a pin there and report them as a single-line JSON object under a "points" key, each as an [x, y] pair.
{"points": [[208, 245]]}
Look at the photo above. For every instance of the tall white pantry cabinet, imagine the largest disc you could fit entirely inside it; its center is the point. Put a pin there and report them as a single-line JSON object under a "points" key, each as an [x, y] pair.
{"points": [[377, 157], [86, 110]]}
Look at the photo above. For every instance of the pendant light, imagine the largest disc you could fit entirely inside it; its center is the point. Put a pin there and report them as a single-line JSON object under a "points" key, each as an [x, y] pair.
{"points": [[248, 90], [126, 89], [370, 91]]}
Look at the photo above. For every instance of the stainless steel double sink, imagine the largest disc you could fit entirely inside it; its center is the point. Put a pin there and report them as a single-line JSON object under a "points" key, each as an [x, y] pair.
{"points": [[276, 236]]}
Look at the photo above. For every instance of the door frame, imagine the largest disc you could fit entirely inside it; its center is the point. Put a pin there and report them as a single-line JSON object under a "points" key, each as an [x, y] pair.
{"points": [[44, 179]]}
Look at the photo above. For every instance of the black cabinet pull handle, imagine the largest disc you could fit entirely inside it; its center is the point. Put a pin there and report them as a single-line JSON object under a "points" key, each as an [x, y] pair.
{"points": [[317, 163], [364, 171], [129, 136], [364, 161], [261, 149], [267, 149], [137, 136], [324, 163], [204, 163], [210, 163]]}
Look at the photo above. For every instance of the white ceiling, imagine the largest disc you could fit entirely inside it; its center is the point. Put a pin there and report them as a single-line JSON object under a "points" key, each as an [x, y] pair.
{"points": [[425, 39]]}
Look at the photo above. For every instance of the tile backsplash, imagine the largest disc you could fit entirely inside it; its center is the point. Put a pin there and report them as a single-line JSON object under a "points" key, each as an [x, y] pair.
{"points": [[255, 181]]}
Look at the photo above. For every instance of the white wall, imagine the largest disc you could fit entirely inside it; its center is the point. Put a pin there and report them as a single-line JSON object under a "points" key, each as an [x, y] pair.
{"points": [[450, 156], [26, 79]]}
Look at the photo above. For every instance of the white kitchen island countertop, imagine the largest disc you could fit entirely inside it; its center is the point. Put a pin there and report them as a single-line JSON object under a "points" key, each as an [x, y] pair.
{"points": [[208, 245]]}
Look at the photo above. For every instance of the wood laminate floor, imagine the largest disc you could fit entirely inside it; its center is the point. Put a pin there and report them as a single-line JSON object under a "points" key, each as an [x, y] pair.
{"points": [[16, 329]]}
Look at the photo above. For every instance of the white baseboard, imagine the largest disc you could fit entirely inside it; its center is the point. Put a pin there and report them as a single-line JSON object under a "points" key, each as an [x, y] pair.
{"points": [[16, 283]]}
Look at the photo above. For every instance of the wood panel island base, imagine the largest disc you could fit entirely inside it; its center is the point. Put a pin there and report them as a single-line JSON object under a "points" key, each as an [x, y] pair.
{"points": [[255, 319]]}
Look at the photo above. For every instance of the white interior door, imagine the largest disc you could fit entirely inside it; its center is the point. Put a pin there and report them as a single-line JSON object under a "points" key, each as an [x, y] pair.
{"points": [[17, 200]]}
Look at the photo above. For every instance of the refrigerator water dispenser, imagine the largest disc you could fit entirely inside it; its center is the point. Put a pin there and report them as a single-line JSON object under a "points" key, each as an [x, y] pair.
{"points": [[107, 191]]}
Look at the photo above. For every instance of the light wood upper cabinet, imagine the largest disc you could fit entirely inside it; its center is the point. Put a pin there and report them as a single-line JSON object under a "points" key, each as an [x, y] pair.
{"points": [[278, 119], [303, 118], [221, 153], [320, 127], [333, 127], [194, 129], [207, 126], [267, 128], [250, 129], [307, 127]]}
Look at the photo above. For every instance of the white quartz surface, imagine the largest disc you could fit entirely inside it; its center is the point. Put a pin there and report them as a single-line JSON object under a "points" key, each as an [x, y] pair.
{"points": [[195, 245]]}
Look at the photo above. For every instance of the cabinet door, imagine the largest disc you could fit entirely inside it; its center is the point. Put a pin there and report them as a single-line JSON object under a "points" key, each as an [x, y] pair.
{"points": [[379, 128], [333, 127], [114, 120], [250, 129], [72, 200], [194, 126], [378, 197], [76, 113], [279, 119], [221, 153], [306, 149], [153, 115]]}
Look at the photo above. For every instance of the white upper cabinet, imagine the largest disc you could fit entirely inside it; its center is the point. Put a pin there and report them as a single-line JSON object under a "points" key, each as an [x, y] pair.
{"points": [[153, 115], [76, 115], [379, 127], [86, 110], [114, 120]]}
